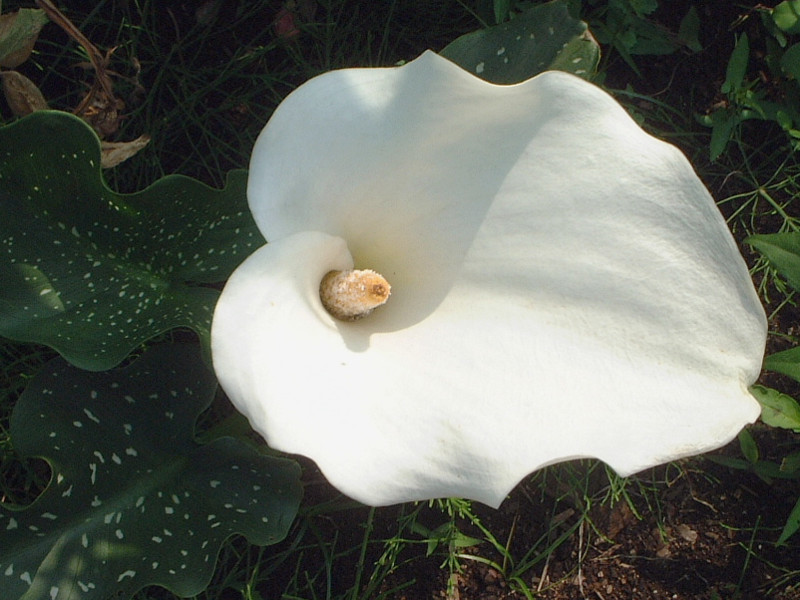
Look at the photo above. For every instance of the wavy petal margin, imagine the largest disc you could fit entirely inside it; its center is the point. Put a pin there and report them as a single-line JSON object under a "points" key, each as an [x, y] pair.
{"points": [[563, 286]]}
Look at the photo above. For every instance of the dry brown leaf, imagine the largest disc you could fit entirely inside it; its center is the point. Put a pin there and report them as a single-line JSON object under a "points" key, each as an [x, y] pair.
{"points": [[22, 95], [113, 153], [18, 33], [687, 533]]}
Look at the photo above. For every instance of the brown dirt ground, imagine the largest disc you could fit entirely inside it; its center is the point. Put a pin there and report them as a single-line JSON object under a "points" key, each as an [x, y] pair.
{"points": [[711, 537]]}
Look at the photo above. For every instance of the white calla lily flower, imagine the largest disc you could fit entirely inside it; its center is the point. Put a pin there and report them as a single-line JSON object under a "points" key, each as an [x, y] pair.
{"points": [[562, 286]]}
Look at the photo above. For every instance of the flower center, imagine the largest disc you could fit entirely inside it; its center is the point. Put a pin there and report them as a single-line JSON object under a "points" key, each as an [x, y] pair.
{"points": [[352, 295]]}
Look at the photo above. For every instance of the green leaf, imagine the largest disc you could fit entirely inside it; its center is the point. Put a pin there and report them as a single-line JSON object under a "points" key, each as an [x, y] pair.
{"points": [[792, 524], [790, 62], [787, 16], [730, 462], [462, 540], [18, 33], [785, 363], [643, 8], [782, 250], [777, 410], [502, 8], [544, 37], [737, 65], [93, 273], [723, 122], [133, 499], [748, 446], [689, 30], [791, 463]]}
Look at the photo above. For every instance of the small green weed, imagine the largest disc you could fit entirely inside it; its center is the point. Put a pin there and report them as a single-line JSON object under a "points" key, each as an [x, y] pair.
{"points": [[772, 95]]}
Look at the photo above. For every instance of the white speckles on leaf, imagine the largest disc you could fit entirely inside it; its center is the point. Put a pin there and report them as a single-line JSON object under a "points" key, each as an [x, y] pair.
{"points": [[480, 67], [120, 508], [138, 254]]}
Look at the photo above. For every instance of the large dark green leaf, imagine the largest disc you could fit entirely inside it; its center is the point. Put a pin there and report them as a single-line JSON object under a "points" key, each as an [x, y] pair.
{"points": [[93, 273], [544, 37], [133, 499]]}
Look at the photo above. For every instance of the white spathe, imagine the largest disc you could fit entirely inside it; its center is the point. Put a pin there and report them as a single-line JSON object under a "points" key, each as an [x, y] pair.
{"points": [[563, 286]]}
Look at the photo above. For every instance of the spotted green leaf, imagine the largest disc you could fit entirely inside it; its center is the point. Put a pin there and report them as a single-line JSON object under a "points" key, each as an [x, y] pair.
{"points": [[133, 499], [544, 37], [93, 273]]}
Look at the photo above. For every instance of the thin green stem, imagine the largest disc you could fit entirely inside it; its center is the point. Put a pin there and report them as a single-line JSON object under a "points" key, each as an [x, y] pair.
{"points": [[368, 526], [789, 221]]}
